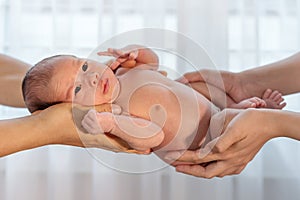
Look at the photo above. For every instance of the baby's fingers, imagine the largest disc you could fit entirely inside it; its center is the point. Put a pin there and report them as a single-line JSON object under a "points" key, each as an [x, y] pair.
{"points": [[105, 53], [116, 52], [133, 55], [114, 65]]}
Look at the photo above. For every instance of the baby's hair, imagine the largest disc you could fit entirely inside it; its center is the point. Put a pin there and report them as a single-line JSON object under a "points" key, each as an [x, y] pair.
{"points": [[35, 85]]}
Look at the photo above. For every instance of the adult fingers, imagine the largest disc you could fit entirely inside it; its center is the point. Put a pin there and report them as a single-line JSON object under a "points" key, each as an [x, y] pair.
{"points": [[210, 171], [231, 171], [194, 76], [182, 79], [214, 169], [194, 170], [187, 157], [227, 139]]}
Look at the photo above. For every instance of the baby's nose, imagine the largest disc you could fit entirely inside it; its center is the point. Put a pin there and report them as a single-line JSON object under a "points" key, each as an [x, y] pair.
{"points": [[94, 79]]}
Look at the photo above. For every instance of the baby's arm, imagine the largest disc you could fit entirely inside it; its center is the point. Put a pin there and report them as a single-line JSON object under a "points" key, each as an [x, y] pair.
{"points": [[139, 133], [145, 56]]}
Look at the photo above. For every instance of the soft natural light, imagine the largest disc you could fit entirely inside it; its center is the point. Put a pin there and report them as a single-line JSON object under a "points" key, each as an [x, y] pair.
{"points": [[237, 34]]}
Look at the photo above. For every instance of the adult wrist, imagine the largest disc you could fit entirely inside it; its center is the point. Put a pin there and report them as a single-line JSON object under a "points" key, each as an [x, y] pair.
{"points": [[275, 122], [288, 124], [267, 122]]}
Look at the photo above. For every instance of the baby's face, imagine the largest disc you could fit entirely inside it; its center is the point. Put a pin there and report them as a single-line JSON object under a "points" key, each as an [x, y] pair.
{"points": [[83, 81]]}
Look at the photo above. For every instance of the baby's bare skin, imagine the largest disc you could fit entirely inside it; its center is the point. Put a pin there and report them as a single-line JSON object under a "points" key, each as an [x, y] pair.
{"points": [[183, 113]]}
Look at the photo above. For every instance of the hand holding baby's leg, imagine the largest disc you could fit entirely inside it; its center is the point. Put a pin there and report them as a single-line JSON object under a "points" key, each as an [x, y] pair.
{"points": [[273, 99]]}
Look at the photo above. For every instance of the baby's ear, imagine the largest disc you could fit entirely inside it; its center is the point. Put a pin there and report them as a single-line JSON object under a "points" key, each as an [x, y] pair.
{"points": [[165, 73]]}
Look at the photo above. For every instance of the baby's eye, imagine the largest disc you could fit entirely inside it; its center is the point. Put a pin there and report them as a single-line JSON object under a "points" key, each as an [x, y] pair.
{"points": [[84, 67], [77, 89]]}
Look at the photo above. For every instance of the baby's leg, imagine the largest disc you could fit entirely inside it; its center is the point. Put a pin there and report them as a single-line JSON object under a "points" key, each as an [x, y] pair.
{"points": [[273, 99], [253, 102], [214, 94]]}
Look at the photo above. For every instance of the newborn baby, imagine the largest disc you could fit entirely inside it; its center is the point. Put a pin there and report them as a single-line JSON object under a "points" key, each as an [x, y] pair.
{"points": [[141, 91]]}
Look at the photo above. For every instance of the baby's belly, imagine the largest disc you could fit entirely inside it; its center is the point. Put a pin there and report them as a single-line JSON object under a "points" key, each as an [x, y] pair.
{"points": [[181, 112]]}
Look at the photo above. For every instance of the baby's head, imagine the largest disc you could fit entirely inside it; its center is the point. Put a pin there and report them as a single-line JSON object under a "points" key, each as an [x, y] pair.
{"points": [[66, 78]]}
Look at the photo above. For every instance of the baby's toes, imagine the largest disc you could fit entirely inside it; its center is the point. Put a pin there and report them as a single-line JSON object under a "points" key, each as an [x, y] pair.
{"points": [[252, 105], [279, 100], [267, 94], [262, 103], [254, 102], [281, 106], [259, 102], [274, 95], [277, 96]]}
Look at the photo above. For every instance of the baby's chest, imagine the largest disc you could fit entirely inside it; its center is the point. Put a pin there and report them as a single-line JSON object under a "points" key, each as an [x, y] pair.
{"points": [[148, 101]]}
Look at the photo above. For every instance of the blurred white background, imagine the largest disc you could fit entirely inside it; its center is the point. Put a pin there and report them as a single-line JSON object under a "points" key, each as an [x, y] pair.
{"points": [[237, 34]]}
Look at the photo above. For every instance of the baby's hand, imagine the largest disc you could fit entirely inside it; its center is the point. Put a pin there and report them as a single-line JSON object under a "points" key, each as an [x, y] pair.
{"points": [[125, 56], [96, 123], [253, 102], [274, 99]]}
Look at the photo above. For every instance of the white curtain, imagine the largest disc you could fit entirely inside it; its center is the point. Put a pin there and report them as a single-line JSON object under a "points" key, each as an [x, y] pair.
{"points": [[237, 34]]}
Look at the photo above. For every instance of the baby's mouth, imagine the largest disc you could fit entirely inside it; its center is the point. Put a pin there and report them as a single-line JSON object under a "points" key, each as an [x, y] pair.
{"points": [[105, 86]]}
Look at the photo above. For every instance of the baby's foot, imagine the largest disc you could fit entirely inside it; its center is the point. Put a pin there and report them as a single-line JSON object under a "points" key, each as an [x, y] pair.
{"points": [[273, 99], [253, 102]]}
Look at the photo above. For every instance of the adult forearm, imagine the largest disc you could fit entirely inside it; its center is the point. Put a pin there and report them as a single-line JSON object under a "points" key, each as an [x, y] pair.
{"points": [[282, 76], [12, 72], [21, 134], [54, 125]]}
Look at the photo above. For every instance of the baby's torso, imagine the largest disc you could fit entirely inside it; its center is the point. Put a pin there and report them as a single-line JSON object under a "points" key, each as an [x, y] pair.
{"points": [[183, 113]]}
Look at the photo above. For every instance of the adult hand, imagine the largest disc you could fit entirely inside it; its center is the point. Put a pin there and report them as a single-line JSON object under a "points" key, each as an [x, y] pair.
{"points": [[244, 134]]}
